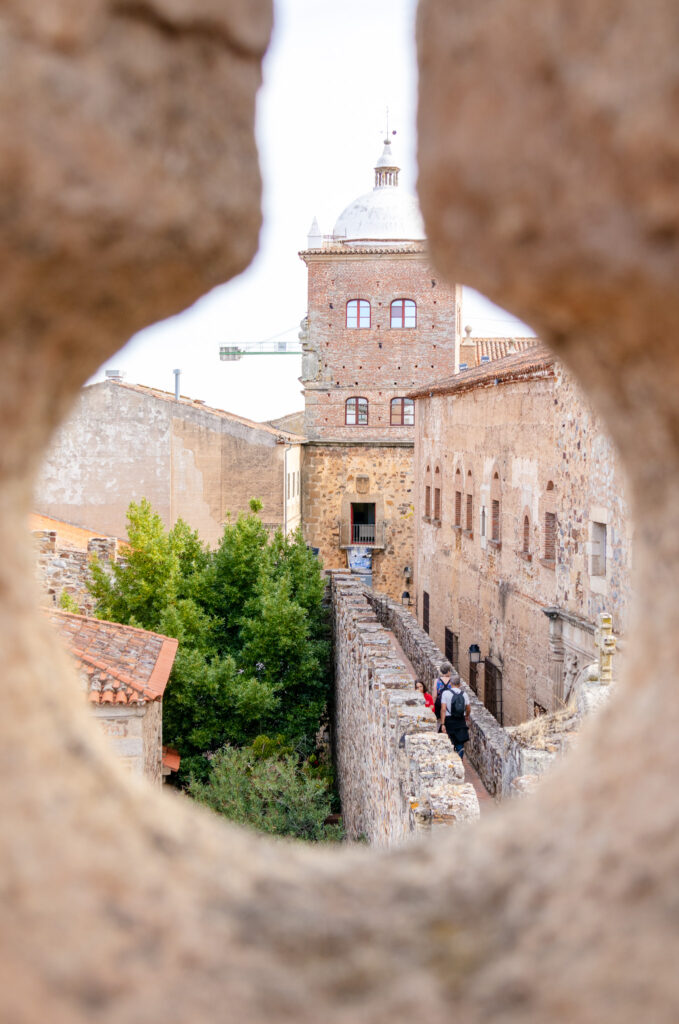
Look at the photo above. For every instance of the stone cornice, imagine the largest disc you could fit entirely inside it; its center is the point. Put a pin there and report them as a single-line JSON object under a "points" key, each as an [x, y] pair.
{"points": [[334, 443]]}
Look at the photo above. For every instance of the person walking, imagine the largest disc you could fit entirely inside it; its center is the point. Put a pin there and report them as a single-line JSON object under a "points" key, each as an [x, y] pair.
{"points": [[442, 683], [455, 711], [428, 699]]}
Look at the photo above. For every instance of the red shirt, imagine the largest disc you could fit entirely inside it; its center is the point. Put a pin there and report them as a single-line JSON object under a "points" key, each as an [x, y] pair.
{"points": [[429, 700]]}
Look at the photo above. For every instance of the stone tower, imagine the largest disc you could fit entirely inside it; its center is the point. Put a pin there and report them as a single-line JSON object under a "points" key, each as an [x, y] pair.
{"points": [[379, 322]]}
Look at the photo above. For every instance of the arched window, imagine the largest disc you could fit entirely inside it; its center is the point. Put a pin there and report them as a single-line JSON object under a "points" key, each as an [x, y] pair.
{"points": [[356, 411], [526, 534], [403, 313], [437, 493], [495, 509], [402, 412], [458, 497], [427, 493], [358, 313], [469, 524]]}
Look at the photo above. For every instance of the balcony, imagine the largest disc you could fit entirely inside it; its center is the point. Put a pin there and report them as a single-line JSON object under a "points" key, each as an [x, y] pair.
{"points": [[369, 535]]}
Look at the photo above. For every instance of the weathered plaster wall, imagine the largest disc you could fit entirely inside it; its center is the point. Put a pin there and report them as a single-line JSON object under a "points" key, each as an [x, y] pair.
{"points": [[330, 483], [124, 729], [122, 444], [397, 775]]}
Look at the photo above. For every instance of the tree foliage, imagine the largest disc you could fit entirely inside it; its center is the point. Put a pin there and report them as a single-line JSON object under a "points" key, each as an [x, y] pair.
{"points": [[270, 791], [253, 654]]}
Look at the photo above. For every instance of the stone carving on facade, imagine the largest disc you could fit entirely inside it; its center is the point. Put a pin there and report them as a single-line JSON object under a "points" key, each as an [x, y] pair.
{"points": [[606, 644]]}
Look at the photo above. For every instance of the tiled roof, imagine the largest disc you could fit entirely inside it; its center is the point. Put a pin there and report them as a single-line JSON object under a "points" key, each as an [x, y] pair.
{"points": [[193, 403], [171, 759], [536, 361], [498, 348], [348, 250], [118, 664], [68, 535]]}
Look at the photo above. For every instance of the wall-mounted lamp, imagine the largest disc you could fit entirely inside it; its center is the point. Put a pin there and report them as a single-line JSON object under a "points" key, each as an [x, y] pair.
{"points": [[407, 572], [474, 654], [405, 599]]}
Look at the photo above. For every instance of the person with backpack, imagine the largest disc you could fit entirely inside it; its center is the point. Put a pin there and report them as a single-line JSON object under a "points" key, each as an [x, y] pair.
{"points": [[442, 683], [455, 711]]}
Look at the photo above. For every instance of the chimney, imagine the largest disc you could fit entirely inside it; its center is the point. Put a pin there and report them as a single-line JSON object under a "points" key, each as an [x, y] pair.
{"points": [[177, 375], [115, 375]]}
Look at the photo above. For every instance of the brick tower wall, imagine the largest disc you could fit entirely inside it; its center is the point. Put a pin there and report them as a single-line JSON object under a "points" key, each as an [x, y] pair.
{"points": [[378, 363]]}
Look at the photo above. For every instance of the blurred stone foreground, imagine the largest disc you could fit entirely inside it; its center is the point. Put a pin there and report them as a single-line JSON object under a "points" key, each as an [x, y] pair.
{"points": [[548, 179]]}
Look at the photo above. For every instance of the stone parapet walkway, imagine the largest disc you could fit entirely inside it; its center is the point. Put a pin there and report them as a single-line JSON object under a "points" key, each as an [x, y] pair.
{"points": [[486, 801]]}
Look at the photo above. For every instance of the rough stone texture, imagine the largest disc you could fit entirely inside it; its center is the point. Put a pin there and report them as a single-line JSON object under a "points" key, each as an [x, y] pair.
{"points": [[488, 747], [334, 476], [397, 775], [538, 433], [547, 174], [61, 569], [126, 442], [378, 363], [545, 182]]}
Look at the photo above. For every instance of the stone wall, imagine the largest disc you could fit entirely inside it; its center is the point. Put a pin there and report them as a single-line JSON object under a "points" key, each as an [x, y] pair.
{"points": [[125, 442], [65, 570], [334, 476], [488, 744], [533, 428], [397, 775]]}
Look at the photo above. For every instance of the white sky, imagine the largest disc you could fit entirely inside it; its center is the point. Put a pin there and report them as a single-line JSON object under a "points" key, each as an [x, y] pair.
{"points": [[331, 71]]}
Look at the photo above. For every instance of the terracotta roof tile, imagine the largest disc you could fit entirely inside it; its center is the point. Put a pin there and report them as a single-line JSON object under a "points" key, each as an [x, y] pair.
{"points": [[340, 248], [536, 361], [118, 664], [171, 759], [491, 349]]}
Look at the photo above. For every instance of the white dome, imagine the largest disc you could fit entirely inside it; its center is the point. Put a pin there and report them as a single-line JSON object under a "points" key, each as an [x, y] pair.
{"points": [[385, 214]]}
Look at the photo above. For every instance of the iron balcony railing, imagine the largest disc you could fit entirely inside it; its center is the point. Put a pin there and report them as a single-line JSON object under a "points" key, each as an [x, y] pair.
{"points": [[371, 535]]}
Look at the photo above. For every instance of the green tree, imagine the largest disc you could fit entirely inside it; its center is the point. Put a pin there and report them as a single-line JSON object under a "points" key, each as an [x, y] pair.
{"points": [[253, 652], [156, 573], [278, 646], [273, 793]]}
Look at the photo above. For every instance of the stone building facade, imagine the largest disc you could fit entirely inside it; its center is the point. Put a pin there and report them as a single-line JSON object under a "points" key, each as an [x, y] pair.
{"points": [[125, 442], [124, 672], [379, 321], [522, 530]]}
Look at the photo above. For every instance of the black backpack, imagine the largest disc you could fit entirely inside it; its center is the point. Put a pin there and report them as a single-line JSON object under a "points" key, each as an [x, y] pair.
{"points": [[437, 702], [457, 705]]}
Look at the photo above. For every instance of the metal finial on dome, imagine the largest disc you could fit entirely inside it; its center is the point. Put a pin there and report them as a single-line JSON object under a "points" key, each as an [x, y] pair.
{"points": [[386, 171]]}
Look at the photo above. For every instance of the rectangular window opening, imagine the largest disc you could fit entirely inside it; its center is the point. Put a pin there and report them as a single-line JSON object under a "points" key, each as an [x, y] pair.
{"points": [[362, 522], [550, 536], [492, 689], [598, 557]]}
